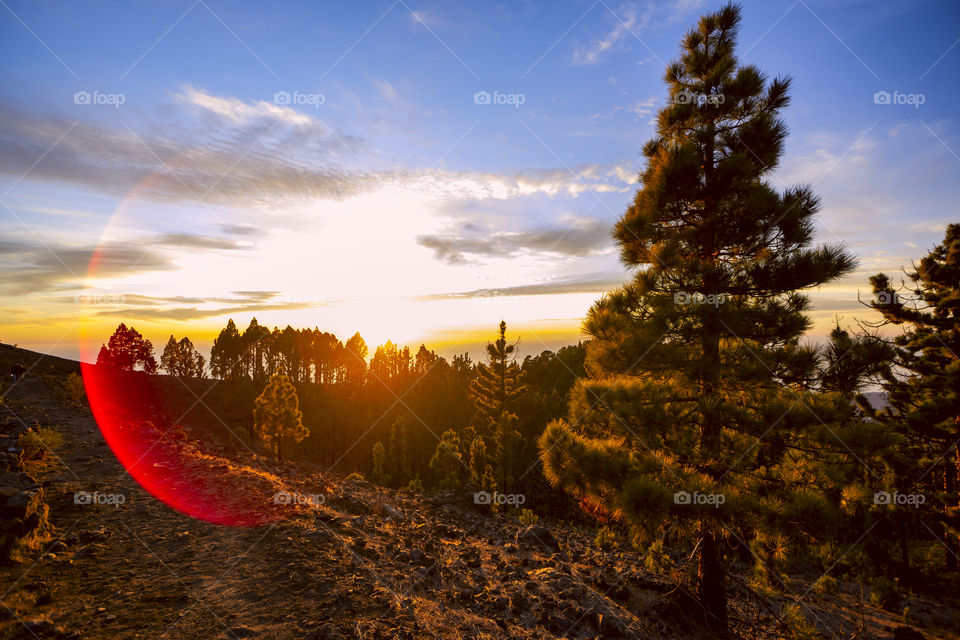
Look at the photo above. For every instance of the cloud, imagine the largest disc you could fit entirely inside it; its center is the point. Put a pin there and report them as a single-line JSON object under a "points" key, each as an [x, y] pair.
{"points": [[583, 237], [585, 284], [628, 20], [194, 241], [241, 112], [262, 162], [34, 267]]}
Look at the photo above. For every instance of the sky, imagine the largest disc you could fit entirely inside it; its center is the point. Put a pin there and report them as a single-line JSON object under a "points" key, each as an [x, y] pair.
{"points": [[418, 171]]}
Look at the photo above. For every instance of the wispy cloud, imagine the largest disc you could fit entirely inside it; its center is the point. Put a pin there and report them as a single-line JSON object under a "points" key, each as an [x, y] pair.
{"points": [[628, 20], [241, 112], [595, 283], [582, 238]]}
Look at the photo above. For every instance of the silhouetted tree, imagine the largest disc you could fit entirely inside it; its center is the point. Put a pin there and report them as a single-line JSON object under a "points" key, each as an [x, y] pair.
{"points": [[225, 355], [182, 359], [127, 350]]}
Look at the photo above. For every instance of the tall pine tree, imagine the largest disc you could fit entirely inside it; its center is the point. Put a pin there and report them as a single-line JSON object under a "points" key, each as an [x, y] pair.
{"points": [[494, 392], [693, 401]]}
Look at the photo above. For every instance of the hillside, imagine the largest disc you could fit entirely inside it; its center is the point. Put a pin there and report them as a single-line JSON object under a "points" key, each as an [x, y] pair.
{"points": [[360, 561]]}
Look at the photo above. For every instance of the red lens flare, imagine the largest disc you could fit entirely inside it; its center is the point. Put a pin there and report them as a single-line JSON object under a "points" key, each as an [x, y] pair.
{"points": [[140, 417]]}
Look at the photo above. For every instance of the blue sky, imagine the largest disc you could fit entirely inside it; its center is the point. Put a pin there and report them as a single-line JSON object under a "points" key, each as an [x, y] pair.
{"points": [[381, 196]]}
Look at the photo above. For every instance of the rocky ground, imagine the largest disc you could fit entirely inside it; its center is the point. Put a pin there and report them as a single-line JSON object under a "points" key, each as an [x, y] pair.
{"points": [[366, 563]]}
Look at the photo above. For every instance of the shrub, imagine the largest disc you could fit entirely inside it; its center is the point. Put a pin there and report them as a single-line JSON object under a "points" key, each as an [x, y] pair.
{"points": [[416, 484], [528, 517], [825, 585], [73, 389], [606, 538], [36, 441], [883, 593], [797, 624]]}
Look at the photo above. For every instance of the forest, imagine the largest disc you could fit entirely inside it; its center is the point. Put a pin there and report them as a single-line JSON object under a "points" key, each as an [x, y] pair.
{"points": [[695, 420]]}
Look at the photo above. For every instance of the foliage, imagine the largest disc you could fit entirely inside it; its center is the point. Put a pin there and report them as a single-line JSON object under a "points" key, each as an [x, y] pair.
{"points": [[73, 389], [924, 391], [377, 473], [127, 350], [528, 517], [182, 359], [36, 441], [276, 414], [606, 538], [695, 411], [446, 461]]}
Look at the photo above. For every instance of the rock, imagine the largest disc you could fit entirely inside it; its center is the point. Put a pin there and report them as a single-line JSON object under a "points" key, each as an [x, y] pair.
{"points": [[537, 535], [43, 628], [907, 633]]}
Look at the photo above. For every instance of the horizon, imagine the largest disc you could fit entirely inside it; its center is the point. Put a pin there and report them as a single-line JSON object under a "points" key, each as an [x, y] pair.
{"points": [[328, 181]]}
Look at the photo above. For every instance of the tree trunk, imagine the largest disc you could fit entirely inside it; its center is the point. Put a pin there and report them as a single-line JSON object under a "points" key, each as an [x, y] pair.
{"points": [[951, 486], [710, 581]]}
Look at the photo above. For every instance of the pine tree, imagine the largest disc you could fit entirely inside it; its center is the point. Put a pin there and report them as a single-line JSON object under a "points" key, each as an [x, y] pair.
{"points": [[182, 359], [447, 460], [399, 452], [478, 458], [225, 355], [494, 392], [378, 474], [276, 414], [693, 397], [925, 404], [128, 350]]}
